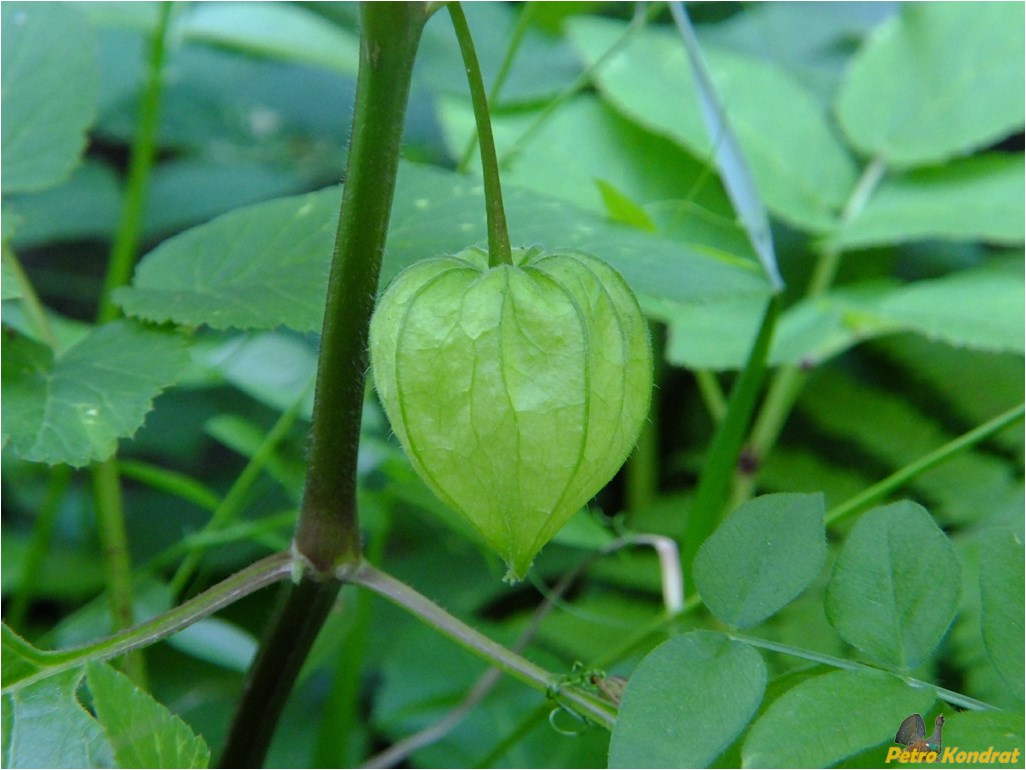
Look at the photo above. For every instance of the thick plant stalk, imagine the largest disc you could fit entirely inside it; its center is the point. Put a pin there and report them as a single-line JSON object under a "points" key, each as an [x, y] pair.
{"points": [[328, 535]]}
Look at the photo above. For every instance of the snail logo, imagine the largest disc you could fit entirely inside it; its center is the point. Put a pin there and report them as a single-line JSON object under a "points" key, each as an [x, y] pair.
{"points": [[912, 733], [920, 748]]}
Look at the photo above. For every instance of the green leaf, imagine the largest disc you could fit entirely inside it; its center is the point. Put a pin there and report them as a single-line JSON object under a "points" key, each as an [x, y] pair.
{"points": [[87, 205], [266, 265], [827, 718], [188, 191], [895, 586], [21, 659], [1001, 604], [278, 30], [585, 145], [622, 209], [49, 93], [979, 198], [686, 702], [982, 730], [273, 367], [141, 731], [968, 487], [762, 557], [44, 725], [73, 406], [801, 170], [980, 308], [939, 80]]}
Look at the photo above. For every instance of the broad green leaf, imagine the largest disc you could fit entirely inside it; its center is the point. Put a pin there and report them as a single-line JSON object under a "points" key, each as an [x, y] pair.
{"points": [[822, 720], [586, 144], [87, 205], [73, 406], [971, 486], [979, 198], [278, 30], [10, 287], [995, 380], [621, 208], [256, 267], [810, 41], [49, 93], [187, 192], [980, 308], [1001, 604], [938, 80], [967, 731], [801, 170], [266, 265], [67, 573], [542, 68], [759, 559], [44, 725], [142, 732], [895, 585], [20, 658], [275, 368], [245, 437], [686, 702]]}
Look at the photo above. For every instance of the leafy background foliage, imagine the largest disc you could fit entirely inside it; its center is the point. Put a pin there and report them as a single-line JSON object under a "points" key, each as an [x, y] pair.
{"points": [[884, 140]]}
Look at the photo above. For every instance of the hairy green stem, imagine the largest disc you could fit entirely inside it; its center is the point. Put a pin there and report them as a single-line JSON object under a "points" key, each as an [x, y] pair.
{"points": [[899, 478], [498, 234], [593, 707], [254, 577], [302, 610], [144, 148], [340, 713], [328, 534]]}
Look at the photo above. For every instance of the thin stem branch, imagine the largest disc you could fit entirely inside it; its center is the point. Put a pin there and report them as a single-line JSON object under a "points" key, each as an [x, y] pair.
{"points": [[583, 81], [106, 478], [788, 381], [950, 696], [34, 310], [254, 577], [499, 252], [899, 478], [516, 666], [116, 561], [516, 38], [712, 394], [144, 148]]}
